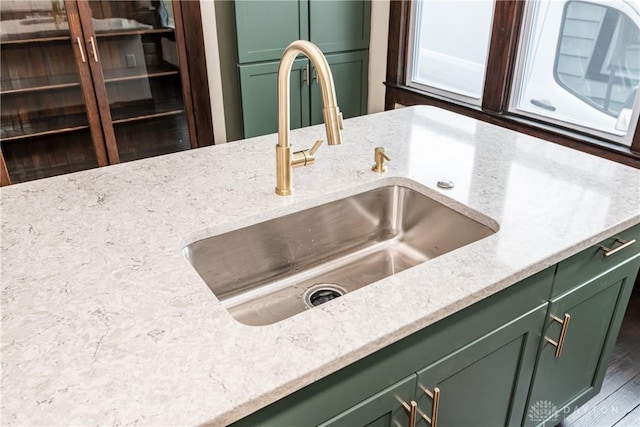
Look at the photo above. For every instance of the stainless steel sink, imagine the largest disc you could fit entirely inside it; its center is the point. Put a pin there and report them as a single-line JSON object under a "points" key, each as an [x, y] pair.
{"points": [[270, 271]]}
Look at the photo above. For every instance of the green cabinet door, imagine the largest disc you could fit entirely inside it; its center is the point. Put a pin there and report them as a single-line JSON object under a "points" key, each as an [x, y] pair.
{"points": [[486, 382], [259, 83], [350, 77], [340, 25], [595, 311], [265, 28], [389, 408]]}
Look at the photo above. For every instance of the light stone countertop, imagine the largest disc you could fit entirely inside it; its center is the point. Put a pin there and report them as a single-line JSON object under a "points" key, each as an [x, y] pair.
{"points": [[105, 322]]}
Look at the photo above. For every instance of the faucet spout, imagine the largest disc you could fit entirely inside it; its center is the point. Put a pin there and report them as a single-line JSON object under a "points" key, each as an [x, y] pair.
{"points": [[285, 159]]}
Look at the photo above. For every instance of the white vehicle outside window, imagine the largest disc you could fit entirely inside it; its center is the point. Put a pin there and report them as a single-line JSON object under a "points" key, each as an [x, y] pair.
{"points": [[579, 66]]}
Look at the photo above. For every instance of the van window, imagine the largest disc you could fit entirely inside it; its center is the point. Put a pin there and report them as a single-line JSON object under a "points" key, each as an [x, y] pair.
{"points": [[598, 56]]}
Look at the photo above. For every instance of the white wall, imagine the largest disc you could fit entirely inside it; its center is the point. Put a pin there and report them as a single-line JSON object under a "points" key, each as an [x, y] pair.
{"points": [[213, 68], [378, 54], [377, 61]]}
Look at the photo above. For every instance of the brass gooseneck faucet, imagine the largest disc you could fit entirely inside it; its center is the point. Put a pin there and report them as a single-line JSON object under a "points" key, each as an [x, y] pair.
{"points": [[285, 159]]}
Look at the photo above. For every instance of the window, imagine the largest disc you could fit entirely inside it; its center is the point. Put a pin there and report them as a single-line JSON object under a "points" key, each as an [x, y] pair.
{"points": [[564, 70], [580, 67], [450, 43]]}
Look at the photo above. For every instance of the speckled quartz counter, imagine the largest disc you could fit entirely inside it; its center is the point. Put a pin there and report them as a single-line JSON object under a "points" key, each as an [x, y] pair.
{"points": [[105, 322]]}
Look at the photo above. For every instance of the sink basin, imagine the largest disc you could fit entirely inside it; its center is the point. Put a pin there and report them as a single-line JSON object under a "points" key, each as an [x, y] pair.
{"points": [[270, 271]]}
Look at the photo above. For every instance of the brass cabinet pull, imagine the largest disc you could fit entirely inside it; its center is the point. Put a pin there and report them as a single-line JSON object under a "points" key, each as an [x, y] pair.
{"points": [[435, 396], [563, 333], [610, 251], [84, 58], [411, 408], [305, 78], [93, 48]]}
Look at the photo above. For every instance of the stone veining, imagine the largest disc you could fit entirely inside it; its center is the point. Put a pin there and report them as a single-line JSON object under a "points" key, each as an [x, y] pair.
{"points": [[104, 321]]}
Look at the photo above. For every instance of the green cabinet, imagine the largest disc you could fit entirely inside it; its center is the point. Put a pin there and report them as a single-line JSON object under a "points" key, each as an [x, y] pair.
{"points": [[260, 95], [486, 382], [339, 25], [493, 363], [503, 330], [490, 377], [350, 76], [265, 28], [389, 408], [584, 321]]}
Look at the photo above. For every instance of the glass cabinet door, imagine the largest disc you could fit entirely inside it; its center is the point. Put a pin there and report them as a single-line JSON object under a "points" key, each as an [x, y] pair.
{"points": [[140, 65], [45, 129]]}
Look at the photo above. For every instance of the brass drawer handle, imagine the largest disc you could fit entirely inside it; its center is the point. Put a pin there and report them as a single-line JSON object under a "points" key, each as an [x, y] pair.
{"points": [[411, 408], [84, 59], [563, 333], [435, 396], [305, 76], [94, 51], [625, 244]]}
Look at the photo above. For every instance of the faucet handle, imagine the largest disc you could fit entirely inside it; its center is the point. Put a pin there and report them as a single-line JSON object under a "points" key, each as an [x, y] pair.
{"points": [[380, 156], [305, 157], [315, 147]]}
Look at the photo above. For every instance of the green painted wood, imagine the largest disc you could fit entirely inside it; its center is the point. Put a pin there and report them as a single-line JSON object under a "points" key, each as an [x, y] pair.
{"points": [[355, 383], [623, 364], [486, 382], [259, 84], [350, 76], [340, 25], [596, 308], [384, 409], [259, 92], [265, 28], [591, 262]]}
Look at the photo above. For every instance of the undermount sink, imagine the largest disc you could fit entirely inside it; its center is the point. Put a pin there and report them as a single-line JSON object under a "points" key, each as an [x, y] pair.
{"points": [[270, 271]]}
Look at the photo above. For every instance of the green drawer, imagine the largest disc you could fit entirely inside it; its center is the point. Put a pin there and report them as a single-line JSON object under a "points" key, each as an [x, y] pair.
{"points": [[593, 262]]}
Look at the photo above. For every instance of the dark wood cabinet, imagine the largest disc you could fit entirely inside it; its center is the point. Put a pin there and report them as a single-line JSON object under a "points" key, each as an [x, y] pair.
{"points": [[92, 83]]}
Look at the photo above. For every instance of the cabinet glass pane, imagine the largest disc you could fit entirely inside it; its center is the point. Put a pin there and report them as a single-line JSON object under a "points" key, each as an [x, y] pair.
{"points": [[49, 155], [137, 53], [43, 109]]}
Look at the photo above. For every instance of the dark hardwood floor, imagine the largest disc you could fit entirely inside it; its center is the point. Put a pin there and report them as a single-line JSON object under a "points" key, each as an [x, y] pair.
{"points": [[618, 403]]}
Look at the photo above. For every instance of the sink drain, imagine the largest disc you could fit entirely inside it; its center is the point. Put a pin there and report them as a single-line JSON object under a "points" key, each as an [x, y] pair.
{"points": [[321, 293]]}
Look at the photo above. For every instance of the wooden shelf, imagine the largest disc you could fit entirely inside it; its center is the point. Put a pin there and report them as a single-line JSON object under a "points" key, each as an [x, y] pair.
{"points": [[152, 71], [38, 127], [32, 39], [149, 116], [37, 84], [131, 112], [45, 172], [134, 32]]}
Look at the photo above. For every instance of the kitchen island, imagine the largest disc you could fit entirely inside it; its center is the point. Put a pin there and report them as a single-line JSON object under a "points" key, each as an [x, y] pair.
{"points": [[105, 322]]}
